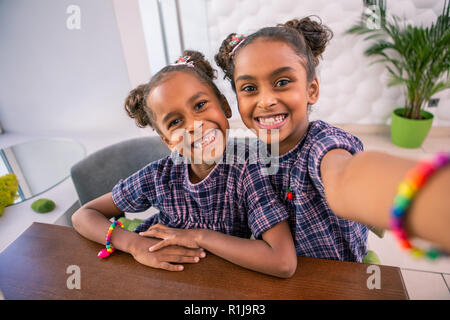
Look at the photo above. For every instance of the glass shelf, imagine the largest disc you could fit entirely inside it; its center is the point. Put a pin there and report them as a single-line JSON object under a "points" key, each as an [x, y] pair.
{"points": [[39, 165]]}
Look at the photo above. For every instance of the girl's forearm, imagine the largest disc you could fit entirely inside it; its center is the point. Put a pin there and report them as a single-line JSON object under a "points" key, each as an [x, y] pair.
{"points": [[93, 225], [256, 255], [368, 184]]}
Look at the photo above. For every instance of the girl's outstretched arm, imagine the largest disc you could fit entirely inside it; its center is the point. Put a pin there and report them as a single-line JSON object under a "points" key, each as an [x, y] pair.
{"points": [[362, 188], [274, 255]]}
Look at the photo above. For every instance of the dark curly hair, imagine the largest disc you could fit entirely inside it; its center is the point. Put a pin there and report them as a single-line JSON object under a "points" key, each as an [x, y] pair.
{"points": [[308, 38], [135, 103]]}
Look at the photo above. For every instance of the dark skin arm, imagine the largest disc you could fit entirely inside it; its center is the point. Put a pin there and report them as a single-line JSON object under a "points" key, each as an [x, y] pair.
{"points": [[274, 255], [362, 188], [92, 222]]}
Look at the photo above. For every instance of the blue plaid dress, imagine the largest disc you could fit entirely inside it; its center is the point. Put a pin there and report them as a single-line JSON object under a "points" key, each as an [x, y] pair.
{"points": [[317, 231], [235, 198]]}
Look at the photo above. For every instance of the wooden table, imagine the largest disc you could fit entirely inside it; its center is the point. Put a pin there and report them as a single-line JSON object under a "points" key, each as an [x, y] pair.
{"points": [[35, 267]]}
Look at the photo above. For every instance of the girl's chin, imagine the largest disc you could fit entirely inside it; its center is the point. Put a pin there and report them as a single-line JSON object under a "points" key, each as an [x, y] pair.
{"points": [[270, 136], [207, 156]]}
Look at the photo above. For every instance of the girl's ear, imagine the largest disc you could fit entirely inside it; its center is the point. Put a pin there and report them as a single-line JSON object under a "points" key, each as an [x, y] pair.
{"points": [[175, 144], [313, 91], [225, 106]]}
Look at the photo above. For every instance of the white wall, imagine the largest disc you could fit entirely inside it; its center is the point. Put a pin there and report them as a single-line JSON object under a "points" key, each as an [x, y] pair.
{"points": [[55, 80], [351, 91]]}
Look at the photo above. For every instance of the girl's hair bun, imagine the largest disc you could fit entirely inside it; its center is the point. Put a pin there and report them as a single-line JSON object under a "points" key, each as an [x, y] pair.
{"points": [[135, 106], [199, 61], [223, 58], [316, 34]]}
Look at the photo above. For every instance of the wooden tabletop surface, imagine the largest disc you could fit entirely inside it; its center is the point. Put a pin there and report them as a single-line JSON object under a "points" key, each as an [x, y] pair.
{"points": [[37, 266]]}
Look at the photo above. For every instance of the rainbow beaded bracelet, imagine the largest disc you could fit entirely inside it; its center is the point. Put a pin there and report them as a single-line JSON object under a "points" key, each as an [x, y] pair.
{"points": [[407, 189], [109, 249]]}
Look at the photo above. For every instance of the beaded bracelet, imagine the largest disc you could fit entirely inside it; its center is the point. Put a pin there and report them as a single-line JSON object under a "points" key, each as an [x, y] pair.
{"points": [[109, 249], [407, 189]]}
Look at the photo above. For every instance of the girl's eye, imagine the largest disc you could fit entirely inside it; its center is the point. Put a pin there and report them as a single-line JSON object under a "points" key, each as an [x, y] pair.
{"points": [[199, 105], [173, 123], [282, 83], [249, 88]]}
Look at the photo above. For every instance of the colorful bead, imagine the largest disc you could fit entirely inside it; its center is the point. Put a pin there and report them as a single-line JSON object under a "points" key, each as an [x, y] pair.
{"points": [[415, 178], [433, 254], [397, 211], [400, 234], [426, 168], [440, 160], [417, 253], [396, 223], [405, 244], [103, 253], [405, 190], [401, 202]]}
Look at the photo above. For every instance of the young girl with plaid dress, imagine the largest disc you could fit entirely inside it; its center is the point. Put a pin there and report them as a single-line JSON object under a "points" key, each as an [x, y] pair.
{"points": [[324, 177]]}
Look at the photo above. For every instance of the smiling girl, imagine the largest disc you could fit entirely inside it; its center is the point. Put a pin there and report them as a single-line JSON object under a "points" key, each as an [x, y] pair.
{"points": [[272, 72]]}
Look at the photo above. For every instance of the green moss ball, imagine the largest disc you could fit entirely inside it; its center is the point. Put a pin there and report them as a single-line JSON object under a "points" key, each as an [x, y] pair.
{"points": [[43, 205]]}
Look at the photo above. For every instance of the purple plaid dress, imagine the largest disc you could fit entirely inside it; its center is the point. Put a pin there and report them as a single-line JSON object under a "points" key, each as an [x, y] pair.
{"points": [[317, 231], [235, 199]]}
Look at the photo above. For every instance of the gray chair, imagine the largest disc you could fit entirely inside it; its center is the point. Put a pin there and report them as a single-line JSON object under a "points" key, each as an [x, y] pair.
{"points": [[99, 172]]}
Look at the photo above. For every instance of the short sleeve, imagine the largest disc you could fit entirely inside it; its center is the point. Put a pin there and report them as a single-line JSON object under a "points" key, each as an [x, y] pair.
{"points": [[265, 210], [326, 142], [135, 193]]}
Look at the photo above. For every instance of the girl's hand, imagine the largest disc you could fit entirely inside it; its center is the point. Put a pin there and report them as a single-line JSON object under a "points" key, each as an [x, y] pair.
{"points": [[164, 258], [172, 236]]}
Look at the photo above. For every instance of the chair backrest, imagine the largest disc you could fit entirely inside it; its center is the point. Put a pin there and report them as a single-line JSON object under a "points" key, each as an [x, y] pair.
{"points": [[97, 174]]}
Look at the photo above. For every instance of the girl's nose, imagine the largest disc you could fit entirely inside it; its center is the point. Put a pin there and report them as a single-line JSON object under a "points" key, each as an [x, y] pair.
{"points": [[266, 100], [194, 126]]}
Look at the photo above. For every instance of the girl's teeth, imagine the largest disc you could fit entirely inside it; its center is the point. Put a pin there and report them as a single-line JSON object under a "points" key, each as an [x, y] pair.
{"points": [[207, 139], [272, 120]]}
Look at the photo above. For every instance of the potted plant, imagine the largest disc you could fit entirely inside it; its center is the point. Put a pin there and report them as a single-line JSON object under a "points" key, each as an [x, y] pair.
{"points": [[417, 58]]}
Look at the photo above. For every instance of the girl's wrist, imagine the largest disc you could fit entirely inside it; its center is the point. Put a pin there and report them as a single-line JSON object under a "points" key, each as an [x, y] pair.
{"points": [[199, 236], [128, 241], [131, 245], [135, 242]]}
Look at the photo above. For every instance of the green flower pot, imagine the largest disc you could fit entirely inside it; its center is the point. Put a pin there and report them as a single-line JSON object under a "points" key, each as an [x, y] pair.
{"points": [[409, 133]]}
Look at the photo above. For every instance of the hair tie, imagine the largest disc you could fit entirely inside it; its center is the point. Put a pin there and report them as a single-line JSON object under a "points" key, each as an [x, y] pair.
{"points": [[183, 60], [236, 42]]}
